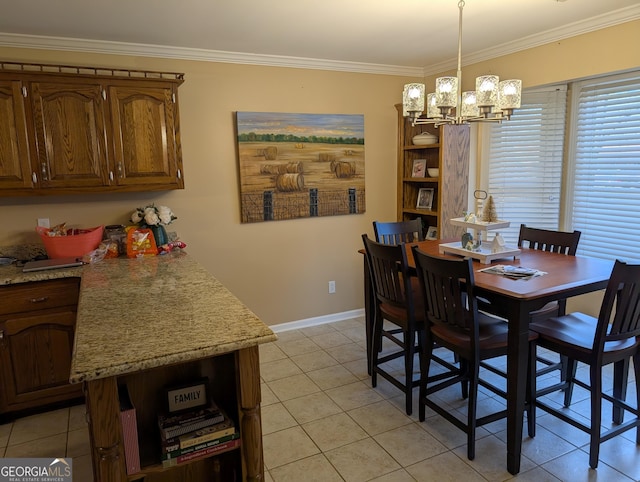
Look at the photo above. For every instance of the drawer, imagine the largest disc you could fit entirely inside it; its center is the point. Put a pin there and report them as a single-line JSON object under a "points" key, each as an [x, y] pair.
{"points": [[39, 295]]}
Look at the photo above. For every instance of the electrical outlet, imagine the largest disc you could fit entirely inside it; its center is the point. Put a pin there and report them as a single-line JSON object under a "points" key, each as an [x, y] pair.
{"points": [[332, 286], [44, 222]]}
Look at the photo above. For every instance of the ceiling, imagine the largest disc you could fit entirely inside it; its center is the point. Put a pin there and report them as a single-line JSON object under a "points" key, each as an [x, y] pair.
{"points": [[397, 37]]}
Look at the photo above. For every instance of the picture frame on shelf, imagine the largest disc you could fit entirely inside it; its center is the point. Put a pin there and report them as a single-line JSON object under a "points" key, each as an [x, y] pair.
{"points": [[432, 233], [419, 168], [425, 198]]}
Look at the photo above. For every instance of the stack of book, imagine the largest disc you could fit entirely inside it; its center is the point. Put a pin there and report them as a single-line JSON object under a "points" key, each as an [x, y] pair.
{"points": [[193, 435]]}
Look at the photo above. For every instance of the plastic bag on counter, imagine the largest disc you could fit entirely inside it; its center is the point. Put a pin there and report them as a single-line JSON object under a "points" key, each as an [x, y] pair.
{"points": [[140, 242]]}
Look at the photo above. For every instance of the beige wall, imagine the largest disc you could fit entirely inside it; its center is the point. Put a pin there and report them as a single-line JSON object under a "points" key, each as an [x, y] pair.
{"points": [[281, 269]]}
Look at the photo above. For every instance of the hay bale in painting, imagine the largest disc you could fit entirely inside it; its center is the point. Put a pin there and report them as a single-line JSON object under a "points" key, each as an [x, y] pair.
{"points": [[326, 156], [270, 153], [289, 182], [299, 145], [281, 168], [343, 169]]}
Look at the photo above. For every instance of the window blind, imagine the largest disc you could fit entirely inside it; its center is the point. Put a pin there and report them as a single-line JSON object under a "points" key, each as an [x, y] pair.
{"points": [[525, 162], [606, 187]]}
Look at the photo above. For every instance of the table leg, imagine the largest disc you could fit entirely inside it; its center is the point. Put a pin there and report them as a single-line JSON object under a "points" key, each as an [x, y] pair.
{"points": [[517, 360]]}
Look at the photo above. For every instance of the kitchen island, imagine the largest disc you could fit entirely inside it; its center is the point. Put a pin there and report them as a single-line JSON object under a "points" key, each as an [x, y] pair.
{"points": [[154, 322]]}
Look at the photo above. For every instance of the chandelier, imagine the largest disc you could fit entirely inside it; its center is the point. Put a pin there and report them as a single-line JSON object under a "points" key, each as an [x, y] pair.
{"points": [[492, 101]]}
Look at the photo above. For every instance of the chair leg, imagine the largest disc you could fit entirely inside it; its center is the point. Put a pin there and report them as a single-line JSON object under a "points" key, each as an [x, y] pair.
{"points": [[636, 368], [531, 391], [572, 366], [409, 351], [596, 414], [425, 362], [620, 377], [474, 374], [563, 367], [376, 347], [464, 384]]}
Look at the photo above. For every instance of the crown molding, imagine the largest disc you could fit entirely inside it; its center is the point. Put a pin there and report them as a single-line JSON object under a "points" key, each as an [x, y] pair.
{"points": [[147, 50], [610, 19]]}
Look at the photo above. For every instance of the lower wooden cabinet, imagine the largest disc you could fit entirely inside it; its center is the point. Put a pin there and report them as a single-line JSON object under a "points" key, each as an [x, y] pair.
{"points": [[37, 324]]}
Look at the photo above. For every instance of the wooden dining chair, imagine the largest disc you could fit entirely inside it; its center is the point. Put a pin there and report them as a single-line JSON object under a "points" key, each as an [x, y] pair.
{"points": [[613, 337], [399, 231], [563, 242], [396, 303], [452, 320]]}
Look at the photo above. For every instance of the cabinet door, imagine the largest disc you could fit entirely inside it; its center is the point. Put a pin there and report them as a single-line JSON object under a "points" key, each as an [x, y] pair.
{"points": [[70, 134], [36, 359], [145, 136], [15, 167]]}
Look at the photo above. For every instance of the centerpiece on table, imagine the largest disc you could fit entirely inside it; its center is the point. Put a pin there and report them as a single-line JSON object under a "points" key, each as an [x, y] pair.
{"points": [[155, 218]]}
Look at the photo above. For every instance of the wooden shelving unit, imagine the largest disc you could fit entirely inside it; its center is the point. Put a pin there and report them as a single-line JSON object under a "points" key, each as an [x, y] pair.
{"points": [[451, 156]]}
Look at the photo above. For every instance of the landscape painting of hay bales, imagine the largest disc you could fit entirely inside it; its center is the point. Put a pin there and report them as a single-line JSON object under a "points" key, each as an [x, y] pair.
{"points": [[300, 165]]}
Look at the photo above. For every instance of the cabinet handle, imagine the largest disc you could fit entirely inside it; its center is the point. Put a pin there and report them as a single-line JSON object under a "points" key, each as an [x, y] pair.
{"points": [[1, 334], [110, 175], [34, 177], [24, 91], [44, 172], [119, 169], [173, 97], [104, 94], [179, 174], [39, 300]]}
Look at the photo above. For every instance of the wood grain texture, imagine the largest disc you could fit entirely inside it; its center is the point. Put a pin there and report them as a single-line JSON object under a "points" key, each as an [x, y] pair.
{"points": [[84, 133], [451, 156], [454, 187], [251, 425], [105, 431]]}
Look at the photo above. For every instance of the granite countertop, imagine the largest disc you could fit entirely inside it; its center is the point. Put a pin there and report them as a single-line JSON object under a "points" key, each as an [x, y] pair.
{"points": [[135, 314]]}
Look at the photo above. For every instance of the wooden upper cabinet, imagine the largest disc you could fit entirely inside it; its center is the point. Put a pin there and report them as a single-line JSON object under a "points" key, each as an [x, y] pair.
{"points": [[145, 138], [69, 123], [15, 166], [66, 130]]}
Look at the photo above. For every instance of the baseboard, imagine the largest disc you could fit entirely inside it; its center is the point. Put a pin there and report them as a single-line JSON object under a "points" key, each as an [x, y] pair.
{"points": [[318, 320]]}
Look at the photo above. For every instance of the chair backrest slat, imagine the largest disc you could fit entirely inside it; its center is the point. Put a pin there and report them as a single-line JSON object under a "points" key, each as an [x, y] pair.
{"points": [[619, 317], [389, 273], [548, 240], [448, 288], [399, 232]]}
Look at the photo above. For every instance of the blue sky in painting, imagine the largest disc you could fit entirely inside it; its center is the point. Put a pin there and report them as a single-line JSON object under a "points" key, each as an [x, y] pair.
{"points": [[322, 125]]}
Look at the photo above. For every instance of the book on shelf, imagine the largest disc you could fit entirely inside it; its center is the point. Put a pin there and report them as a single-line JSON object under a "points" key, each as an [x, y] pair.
{"points": [[202, 453], [196, 437], [129, 431], [172, 454], [175, 425]]}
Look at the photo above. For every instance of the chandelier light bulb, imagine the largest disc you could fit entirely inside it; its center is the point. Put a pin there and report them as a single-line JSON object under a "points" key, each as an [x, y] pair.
{"points": [[413, 100], [447, 92]]}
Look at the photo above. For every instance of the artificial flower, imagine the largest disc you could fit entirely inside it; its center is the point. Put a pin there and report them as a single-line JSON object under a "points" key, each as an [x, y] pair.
{"points": [[153, 215]]}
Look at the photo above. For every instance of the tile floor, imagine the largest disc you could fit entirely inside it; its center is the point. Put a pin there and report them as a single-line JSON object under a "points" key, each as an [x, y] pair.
{"points": [[322, 421]]}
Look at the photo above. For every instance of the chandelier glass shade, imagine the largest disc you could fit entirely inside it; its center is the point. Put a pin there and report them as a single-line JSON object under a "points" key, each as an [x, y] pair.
{"points": [[492, 101]]}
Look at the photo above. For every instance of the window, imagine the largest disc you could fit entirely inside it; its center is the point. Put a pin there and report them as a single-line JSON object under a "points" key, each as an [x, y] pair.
{"points": [[605, 160], [525, 162]]}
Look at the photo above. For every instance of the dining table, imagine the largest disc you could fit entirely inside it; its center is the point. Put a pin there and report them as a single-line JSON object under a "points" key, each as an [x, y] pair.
{"points": [[564, 277]]}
